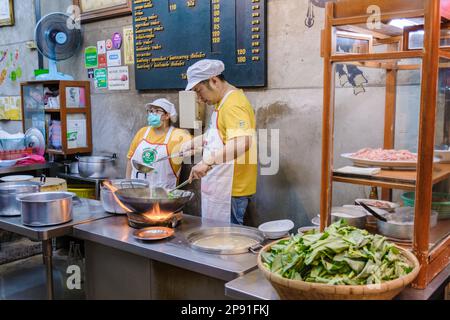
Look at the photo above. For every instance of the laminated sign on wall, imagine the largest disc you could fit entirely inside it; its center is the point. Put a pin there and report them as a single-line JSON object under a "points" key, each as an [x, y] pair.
{"points": [[10, 108], [118, 78], [114, 58]]}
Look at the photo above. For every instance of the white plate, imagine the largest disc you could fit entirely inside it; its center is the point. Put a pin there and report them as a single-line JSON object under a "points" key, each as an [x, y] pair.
{"points": [[16, 178], [381, 163]]}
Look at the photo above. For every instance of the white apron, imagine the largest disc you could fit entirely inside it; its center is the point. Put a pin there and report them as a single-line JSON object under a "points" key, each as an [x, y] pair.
{"points": [[218, 183], [163, 176]]}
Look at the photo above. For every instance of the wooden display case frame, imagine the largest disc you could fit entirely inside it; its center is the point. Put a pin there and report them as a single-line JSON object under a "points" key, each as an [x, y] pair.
{"points": [[65, 110], [348, 12]]}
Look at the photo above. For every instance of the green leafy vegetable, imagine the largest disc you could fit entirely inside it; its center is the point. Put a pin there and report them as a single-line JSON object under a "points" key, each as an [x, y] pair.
{"points": [[342, 255]]}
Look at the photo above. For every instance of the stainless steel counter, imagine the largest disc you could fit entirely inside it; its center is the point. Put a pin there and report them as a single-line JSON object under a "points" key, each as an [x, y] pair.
{"points": [[31, 167], [88, 210], [254, 286], [175, 251]]}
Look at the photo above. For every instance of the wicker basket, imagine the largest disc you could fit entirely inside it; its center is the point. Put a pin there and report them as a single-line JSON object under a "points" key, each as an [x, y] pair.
{"points": [[300, 290]]}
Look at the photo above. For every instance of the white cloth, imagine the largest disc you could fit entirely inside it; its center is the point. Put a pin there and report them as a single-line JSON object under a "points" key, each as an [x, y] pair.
{"points": [[217, 185], [167, 106], [203, 70], [163, 176]]}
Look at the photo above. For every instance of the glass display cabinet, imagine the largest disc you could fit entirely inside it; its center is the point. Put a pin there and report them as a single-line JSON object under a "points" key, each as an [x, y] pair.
{"points": [[61, 110], [389, 89]]}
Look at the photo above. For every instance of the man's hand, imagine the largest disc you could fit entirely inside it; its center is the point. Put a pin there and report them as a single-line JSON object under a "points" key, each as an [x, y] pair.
{"points": [[199, 171]]}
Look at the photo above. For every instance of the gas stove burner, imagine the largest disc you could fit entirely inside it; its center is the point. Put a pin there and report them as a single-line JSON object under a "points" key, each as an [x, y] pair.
{"points": [[142, 220]]}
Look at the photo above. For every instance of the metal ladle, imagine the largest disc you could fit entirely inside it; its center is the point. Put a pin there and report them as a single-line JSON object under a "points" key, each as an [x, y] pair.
{"points": [[142, 168]]}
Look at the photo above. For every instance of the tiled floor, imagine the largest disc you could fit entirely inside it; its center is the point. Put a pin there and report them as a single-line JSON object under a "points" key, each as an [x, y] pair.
{"points": [[26, 280]]}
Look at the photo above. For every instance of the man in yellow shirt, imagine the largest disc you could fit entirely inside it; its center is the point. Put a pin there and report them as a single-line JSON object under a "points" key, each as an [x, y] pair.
{"points": [[229, 167], [157, 140]]}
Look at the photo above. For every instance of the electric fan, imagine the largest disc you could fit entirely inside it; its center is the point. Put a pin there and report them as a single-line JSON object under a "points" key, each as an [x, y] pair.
{"points": [[57, 38]]}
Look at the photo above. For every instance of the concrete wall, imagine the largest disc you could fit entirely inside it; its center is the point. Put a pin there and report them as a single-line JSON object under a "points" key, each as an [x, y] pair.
{"points": [[292, 103]]}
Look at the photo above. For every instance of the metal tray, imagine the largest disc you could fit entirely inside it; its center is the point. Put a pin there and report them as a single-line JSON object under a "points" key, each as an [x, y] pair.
{"points": [[242, 232]]}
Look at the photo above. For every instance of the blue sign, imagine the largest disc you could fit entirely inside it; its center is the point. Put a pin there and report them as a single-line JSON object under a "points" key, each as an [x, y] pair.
{"points": [[171, 35]]}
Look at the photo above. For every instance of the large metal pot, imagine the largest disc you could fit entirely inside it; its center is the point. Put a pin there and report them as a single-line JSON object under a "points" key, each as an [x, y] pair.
{"points": [[9, 206], [46, 208], [96, 167], [400, 224], [107, 197]]}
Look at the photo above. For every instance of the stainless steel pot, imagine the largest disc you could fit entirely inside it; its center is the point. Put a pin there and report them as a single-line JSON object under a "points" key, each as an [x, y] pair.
{"points": [[107, 197], [9, 206], [46, 208], [97, 167], [400, 224]]}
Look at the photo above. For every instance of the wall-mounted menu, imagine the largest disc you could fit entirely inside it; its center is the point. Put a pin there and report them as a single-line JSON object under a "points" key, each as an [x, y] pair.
{"points": [[171, 35]]}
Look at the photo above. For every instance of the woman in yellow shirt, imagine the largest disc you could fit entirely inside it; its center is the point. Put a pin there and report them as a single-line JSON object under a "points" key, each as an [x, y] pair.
{"points": [[157, 140]]}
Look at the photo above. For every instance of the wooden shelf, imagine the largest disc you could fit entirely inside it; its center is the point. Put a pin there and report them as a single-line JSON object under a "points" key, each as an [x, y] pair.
{"points": [[393, 179], [52, 111]]}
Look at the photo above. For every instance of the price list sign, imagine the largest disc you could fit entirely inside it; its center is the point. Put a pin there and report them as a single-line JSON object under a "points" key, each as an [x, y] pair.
{"points": [[171, 35]]}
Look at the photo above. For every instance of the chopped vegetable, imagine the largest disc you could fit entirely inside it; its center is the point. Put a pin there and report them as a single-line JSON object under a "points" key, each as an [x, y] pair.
{"points": [[341, 255]]}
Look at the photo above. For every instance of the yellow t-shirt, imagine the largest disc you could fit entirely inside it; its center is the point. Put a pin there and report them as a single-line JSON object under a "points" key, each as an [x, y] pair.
{"points": [[178, 137], [236, 119]]}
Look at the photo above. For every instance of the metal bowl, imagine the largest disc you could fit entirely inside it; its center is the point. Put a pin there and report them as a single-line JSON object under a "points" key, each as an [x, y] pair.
{"points": [[97, 167], [354, 216], [400, 224], [144, 200]]}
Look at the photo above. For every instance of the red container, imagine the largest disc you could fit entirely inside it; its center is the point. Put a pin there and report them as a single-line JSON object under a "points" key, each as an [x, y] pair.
{"points": [[12, 155]]}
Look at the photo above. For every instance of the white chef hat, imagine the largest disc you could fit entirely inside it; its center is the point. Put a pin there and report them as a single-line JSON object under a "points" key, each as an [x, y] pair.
{"points": [[167, 106], [203, 70]]}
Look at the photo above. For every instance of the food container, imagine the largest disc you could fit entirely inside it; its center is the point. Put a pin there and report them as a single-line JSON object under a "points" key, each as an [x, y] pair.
{"points": [[107, 197], [354, 216], [400, 224], [289, 289], [46, 208], [440, 203], [276, 229], [97, 167], [9, 206]]}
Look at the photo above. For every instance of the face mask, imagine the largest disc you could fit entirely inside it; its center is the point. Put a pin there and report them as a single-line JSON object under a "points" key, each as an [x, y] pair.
{"points": [[154, 120]]}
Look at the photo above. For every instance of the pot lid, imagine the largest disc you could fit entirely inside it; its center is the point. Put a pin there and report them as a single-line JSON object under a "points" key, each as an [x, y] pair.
{"points": [[35, 139], [225, 240]]}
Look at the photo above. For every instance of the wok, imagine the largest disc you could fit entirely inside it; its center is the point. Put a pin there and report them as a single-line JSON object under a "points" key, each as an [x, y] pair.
{"points": [[145, 199]]}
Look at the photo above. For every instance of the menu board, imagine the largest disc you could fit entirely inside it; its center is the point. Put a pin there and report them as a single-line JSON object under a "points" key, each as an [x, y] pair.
{"points": [[171, 35]]}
